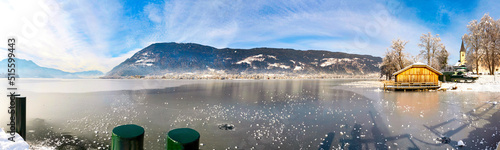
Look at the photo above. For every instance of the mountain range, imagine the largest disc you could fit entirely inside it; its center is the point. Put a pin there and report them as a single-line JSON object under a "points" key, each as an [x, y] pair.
{"points": [[28, 69], [163, 58]]}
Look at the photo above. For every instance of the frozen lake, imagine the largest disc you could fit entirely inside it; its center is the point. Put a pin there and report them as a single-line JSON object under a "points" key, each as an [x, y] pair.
{"points": [[267, 114]]}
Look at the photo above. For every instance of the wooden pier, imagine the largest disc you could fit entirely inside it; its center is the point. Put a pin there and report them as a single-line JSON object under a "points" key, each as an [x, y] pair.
{"points": [[411, 86]]}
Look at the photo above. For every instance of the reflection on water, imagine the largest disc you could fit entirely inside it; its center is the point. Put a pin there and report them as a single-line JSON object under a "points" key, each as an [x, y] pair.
{"points": [[417, 104], [277, 114]]}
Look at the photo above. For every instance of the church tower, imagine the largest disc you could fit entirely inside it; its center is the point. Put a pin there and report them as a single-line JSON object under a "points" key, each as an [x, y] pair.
{"points": [[462, 55]]}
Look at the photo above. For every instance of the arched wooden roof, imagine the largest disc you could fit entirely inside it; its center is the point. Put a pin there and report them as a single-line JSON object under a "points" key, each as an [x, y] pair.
{"points": [[417, 65]]}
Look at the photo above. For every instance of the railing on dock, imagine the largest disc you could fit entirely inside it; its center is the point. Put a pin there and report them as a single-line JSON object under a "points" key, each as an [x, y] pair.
{"points": [[391, 85]]}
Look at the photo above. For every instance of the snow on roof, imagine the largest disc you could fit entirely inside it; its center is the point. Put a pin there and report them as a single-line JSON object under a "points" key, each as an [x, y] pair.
{"points": [[417, 65]]}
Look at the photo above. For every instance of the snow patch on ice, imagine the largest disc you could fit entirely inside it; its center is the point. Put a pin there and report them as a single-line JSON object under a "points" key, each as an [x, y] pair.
{"points": [[365, 84]]}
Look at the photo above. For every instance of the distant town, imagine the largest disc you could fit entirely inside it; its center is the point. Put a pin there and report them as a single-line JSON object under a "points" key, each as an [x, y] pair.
{"points": [[209, 76]]}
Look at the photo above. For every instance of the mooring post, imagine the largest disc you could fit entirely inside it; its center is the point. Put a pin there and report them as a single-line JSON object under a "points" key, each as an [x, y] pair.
{"points": [[127, 137], [21, 116], [183, 139]]}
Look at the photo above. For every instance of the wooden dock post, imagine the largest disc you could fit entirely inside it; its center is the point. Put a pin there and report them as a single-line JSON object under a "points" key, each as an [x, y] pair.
{"points": [[21, 116], [183, 139], [127, 137]]}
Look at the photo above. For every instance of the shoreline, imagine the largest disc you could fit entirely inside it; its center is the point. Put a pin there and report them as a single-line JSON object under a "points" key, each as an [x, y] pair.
{"points": [[485, 83], [189, 76]]}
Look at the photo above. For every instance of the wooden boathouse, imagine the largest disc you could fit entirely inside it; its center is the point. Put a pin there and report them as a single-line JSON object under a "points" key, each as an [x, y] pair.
{"points": [[417, 76]]}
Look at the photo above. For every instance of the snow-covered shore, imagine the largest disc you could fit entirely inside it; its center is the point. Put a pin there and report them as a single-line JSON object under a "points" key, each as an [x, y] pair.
{"points": [[485, 83], [5, 143]]}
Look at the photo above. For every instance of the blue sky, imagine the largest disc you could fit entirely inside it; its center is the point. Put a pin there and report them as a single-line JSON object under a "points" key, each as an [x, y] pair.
{"points": [[98, 35]]}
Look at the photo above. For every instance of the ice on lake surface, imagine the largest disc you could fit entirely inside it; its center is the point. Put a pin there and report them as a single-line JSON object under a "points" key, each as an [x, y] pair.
{"points": [[265, 114]]}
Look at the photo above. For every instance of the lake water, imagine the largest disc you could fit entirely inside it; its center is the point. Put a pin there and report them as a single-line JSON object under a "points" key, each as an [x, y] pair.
{"points": [[267, 114]]}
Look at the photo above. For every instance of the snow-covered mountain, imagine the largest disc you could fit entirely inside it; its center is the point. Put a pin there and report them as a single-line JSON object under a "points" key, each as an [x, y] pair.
{"points": [[162, 58]]}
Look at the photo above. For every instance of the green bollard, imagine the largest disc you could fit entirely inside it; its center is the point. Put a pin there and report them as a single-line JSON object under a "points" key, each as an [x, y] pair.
{"points": [[183, 139], [127, 137], [21, 116]]}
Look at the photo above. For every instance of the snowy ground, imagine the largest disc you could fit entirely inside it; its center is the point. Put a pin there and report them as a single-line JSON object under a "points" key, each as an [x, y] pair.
{"points": [[485, 83], [5, 143], [366, 84]]}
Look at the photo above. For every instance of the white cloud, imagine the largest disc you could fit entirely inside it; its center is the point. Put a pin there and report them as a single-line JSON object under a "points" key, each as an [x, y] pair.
{"points": [[153, 12], [267, 23], [87, 35], [76, 36]]}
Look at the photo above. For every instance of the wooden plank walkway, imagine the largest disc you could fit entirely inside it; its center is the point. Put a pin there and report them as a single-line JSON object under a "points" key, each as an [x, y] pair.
{"points": [[411, 86]]}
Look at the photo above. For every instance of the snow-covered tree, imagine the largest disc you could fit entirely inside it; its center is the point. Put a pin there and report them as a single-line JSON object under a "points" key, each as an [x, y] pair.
{"points": [[401, 57], [489, 31], [395, 58], [473, 43], [442, 58], [483, 43], [388, 66], [431, 47]]}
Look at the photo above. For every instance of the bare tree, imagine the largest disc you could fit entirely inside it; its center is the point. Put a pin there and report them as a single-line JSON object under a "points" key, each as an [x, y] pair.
{"points": [[442, 58], [414, 59], [473, 41], [401, 58], [395, 58], [489, 31], [388, 67], [431, 46], [495, 54]]}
